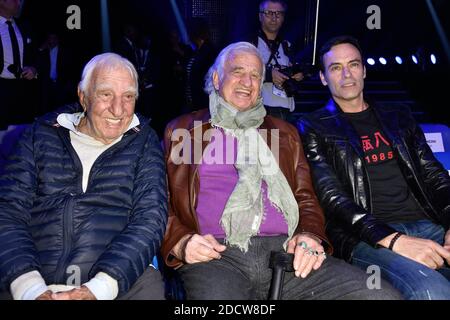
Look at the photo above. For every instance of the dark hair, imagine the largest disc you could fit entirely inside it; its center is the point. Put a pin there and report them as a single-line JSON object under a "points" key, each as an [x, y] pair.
{"points": [[334, 42], [284, 4]]}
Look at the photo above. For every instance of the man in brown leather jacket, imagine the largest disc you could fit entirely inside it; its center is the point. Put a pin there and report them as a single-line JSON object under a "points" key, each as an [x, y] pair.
{"points": [[240, 187]]}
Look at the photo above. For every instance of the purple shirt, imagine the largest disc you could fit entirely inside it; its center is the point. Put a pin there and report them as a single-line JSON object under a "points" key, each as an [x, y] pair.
{"points": [[217, 181]]}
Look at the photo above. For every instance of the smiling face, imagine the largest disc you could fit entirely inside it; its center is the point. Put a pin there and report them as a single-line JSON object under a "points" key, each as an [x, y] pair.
{"points": [[109, 104], [344, 74], [241, 82]]}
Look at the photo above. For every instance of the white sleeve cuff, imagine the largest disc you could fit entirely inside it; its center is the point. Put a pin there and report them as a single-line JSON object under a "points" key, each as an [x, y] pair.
{"points": [[28, 286], [103, 287]]}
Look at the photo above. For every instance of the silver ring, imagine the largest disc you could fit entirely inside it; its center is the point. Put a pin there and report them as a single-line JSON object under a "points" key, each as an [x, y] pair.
{"points": [[316, 253], [324, 255], [310, 252]]}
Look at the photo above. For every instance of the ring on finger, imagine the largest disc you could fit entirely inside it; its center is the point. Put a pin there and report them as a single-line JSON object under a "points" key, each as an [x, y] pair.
{"points": [[303, 245]]}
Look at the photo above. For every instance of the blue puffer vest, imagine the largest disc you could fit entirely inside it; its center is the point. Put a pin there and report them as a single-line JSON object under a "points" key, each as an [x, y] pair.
{"points": [[47, 222]]}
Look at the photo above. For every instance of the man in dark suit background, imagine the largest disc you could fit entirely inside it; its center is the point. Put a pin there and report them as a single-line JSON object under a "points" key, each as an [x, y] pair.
{"points": [[16, 67], [127, 44], [56, 73]]}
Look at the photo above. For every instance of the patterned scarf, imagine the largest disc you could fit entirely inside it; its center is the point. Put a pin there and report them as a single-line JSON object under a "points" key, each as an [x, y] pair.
{"points": [[244, 210]]}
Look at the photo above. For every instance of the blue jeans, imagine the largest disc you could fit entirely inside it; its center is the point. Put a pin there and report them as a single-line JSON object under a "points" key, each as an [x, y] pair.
{"points": [[414, 280]]}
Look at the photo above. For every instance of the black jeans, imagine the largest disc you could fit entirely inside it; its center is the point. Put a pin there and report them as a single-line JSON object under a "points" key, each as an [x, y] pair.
{"points": [[247, 276]]}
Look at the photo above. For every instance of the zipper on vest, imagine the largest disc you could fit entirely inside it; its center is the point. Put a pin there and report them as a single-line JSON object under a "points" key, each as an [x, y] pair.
{"points": [[67, 241], [104, 154], [64, 135]]}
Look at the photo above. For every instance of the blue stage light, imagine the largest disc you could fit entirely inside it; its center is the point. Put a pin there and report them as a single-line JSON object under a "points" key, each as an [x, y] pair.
{"points": [[433, 59]]}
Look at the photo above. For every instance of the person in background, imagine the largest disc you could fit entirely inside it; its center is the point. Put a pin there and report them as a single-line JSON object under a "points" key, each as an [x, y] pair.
{"points": [[277, 54], [17, 67], [57, 73], [229, 210]]}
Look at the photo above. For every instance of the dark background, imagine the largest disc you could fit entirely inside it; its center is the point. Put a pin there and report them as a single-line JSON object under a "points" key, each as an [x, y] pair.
{"points": [[406, 26]]}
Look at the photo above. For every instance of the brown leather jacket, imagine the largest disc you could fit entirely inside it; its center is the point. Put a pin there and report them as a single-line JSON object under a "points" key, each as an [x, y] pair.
{"points": [[183, 180]]}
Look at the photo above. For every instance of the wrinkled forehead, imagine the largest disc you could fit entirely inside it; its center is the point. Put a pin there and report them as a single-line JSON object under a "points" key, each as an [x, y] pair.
{"points": [[244, 59], [110, 71]]}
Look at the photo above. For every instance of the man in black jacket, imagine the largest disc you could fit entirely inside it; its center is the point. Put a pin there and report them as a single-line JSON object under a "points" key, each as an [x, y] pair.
{"points": [[16, 67], [386, 197], [83, 204]]}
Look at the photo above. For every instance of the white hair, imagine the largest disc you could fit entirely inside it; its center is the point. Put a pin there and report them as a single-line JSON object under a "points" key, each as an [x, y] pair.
{"points": [[109, 61], [227, 54]]}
